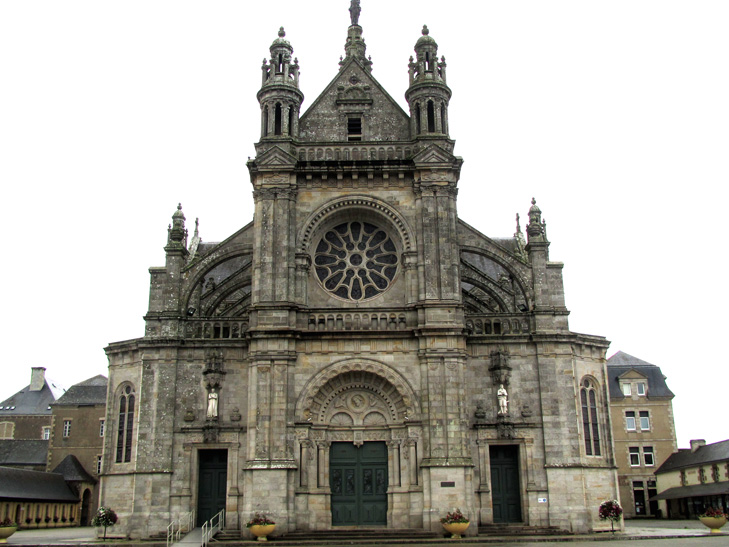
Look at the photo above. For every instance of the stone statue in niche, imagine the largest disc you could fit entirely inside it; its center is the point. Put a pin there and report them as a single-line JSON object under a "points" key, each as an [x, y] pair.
{"points": [[480, 413], [212, 404], [503, 399]]}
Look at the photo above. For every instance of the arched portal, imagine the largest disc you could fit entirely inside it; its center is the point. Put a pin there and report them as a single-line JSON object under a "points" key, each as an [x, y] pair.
{"points": [[357, 442]]}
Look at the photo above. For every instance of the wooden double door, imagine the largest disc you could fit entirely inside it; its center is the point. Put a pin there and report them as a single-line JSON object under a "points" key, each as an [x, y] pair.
{"points": [[358, 481], [505, 490], [212, 483]]}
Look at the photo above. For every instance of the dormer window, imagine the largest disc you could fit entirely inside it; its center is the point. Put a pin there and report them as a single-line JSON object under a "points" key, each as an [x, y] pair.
{"points": [[626, 390], [641, 388], [354, 129]]}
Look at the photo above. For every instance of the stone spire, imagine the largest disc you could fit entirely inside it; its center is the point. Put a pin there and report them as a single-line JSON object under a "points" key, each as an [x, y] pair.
{"points": [[428, 94], [536, 229], [355, 45], [176, 232], [279, 96]]}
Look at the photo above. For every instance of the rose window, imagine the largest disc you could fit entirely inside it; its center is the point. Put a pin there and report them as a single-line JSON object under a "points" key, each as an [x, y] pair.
{"points": [[356, 261]]}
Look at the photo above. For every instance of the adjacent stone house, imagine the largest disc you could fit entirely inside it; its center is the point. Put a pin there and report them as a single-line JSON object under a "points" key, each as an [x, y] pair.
{"points": [[76, 440], [358, 355], [693, 479], [643, 430], [25, 423]]}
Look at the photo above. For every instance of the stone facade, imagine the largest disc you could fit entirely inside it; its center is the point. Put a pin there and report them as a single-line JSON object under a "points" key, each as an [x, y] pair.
{"points": [[644, 434], [78, 431], [358, 308]]}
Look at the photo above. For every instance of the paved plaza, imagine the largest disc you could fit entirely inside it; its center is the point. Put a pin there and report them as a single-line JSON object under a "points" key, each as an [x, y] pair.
{"points": [[651, 533]]}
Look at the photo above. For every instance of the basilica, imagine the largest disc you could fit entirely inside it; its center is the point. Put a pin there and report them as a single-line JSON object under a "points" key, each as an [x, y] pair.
{"points": [[357, 355]]}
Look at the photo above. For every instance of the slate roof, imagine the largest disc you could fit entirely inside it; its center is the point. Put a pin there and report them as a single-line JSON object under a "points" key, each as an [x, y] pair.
{"points": [[73, 471], [34, 485], [621, 362], [695, 490], [13, 452], [684, 458], [88, 392], [26, 402]]}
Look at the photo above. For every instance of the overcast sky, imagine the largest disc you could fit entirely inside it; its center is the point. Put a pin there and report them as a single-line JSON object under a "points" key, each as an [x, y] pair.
{"points": [[613, 114]]}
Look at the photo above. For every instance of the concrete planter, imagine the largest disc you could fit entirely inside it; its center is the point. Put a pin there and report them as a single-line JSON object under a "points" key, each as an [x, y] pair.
{"points": [[713, 523], [6, 532], [456, 529], [262, 530]]}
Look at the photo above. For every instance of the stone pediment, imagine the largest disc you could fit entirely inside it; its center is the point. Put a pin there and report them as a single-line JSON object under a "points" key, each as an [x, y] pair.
{"points": [[632, 374], [275, 157], [354, 91], [433, 155]]}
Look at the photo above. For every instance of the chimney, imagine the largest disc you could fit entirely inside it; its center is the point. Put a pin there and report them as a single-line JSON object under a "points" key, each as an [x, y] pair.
{"points": [[696, 444], [37, 378]]}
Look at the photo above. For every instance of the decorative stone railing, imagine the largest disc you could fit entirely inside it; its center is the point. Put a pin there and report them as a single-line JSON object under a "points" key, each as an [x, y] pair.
{"points": [[497, 325], [215, 329], [375, 320], [357, 152]]}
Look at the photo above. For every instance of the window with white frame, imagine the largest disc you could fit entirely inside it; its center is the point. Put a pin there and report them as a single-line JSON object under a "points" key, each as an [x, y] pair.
{"points": [[7, 430], [641, 388], [648, 456], [630, 420], [634, 454], [66, 428], [645, 420], [626, 390], [46, 433]]}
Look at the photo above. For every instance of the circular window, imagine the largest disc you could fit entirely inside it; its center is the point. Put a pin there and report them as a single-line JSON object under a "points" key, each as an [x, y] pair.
{"points": [[356, 261]]}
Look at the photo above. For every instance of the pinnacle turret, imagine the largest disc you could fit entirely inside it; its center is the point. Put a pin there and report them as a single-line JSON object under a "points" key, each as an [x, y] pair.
{"points": [[280, 97], [355, 46], [428, 94]]}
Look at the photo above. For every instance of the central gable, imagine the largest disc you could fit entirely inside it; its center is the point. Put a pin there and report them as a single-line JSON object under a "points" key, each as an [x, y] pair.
{"points": [[354, 107]]}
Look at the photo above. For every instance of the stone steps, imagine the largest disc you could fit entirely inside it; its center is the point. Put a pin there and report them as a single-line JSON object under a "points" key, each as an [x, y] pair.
{"points": [[491, 530]]}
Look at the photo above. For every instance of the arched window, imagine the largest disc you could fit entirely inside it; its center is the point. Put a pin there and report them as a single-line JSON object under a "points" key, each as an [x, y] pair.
{"points": [[590, 424], [291, 121], [265, 121], [417, 118], [431, 117], [444, 127], [277, 120], [126, 425]]}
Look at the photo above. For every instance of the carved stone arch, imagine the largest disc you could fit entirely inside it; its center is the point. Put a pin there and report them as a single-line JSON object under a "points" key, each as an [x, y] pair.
{"points": [[336, 389], [518, 271], [240, 293], [504, 307], [344, 207], [206, 267]]}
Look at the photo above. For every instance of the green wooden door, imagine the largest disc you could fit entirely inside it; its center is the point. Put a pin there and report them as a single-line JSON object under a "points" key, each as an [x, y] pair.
{"points": [[505, 493], [358, 479], [212, 485]]}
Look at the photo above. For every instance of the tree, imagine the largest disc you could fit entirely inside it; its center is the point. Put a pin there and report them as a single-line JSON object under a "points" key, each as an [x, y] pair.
{"points": [[105, 517]]}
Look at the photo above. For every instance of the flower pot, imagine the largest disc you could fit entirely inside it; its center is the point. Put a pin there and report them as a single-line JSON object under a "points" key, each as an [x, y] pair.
{"points": [[456, 529], [262, 530], [714, 523], [6, 532]]}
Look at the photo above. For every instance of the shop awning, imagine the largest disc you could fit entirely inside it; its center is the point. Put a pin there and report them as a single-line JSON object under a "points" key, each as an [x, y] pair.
{"points": [[693, 491]]}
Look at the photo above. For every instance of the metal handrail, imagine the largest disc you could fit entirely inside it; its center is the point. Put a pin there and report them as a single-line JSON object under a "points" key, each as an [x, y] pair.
{"points": [[212, 527], [175, 528]]}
